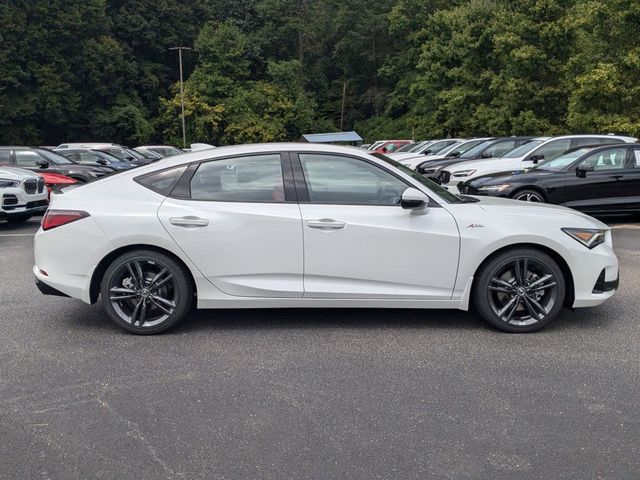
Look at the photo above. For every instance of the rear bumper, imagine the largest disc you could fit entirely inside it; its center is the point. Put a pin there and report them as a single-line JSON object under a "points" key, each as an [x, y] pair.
{"points": [[46, 289]]}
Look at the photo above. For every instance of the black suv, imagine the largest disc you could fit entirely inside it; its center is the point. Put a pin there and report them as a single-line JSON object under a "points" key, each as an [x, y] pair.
{"points": [[42, 160]]}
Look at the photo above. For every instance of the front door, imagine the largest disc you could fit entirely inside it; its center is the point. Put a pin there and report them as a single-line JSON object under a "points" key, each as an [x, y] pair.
{"points": [[602, 189], [360, 243], [238, 226]]}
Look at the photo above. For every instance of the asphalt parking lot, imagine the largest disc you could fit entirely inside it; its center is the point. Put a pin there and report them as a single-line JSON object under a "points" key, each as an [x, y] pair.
{"points": [[318, 394]]}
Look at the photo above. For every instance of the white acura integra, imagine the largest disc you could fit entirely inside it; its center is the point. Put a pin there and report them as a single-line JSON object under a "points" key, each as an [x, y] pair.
{"points": [[302, 225]]}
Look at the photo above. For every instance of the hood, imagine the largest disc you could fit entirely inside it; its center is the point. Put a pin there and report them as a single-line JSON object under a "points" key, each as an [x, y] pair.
{"points": [[514, 176], [517, 208], [11, 173]]}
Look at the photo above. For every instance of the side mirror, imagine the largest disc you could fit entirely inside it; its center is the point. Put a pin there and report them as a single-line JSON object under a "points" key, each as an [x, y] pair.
{"points": [[581, 170], [414, 199], [102, 161], [427, 152], [536, 157], [454, 154], [130, 158], [42, 164], [486, 155]]}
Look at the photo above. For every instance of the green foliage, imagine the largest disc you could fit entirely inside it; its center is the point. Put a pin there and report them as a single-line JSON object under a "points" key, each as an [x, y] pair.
{"points": [[270, 70]]}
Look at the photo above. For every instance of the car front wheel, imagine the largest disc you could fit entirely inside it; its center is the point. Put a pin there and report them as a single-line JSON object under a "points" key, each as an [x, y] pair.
{"points": [[529, 196], [146, 292], [520, 290]]}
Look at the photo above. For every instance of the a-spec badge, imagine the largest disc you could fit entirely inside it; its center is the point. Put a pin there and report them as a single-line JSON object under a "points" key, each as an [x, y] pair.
{"points": [[475, 225]]}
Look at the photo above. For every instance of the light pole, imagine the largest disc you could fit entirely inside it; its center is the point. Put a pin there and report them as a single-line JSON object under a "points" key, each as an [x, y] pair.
{"points": [[184, 133]]}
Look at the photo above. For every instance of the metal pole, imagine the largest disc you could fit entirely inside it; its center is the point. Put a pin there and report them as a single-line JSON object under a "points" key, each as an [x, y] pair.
{"points": [[184, 129]]}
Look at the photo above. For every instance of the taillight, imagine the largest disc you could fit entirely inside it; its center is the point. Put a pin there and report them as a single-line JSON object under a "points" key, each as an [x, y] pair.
{"points": [[57, 218]]}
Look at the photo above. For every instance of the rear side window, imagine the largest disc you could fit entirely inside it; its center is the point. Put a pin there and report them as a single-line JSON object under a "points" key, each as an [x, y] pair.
{"points": [[636, 158], [611, 140], [162, 182], [5, 157], [256, 178]]}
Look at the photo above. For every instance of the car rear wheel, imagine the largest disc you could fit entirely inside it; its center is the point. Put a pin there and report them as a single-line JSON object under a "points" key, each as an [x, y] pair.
{"points": [[529, 196], [146, 292], [520, 290]]}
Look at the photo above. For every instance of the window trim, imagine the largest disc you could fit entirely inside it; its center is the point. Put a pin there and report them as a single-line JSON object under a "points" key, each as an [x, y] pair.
{"points": [[301, 181], [182, 189]]}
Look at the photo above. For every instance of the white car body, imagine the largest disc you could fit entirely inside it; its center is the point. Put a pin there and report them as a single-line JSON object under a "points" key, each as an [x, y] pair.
{"points": [[22, 193], [255, 255], [413, 159], [461, 172]]}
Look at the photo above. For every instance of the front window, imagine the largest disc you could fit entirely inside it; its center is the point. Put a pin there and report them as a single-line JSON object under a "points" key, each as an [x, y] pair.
{"points": [[498, 149], [477, 150], [553, 149], [443, 193], [562, 161], [26, 158], [54, 158], [612, 159], [333, 179], [255, 178], [5, 157], [523, 149]]}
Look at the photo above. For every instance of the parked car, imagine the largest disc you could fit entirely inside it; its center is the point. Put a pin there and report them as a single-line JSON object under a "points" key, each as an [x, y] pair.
{"points": [[521, 158], [283, 225], [490, 148], [431, 148], [390, 146], [41, 160], [407, 147], [452, 150], [598, 181], [22, 194], [55, 181], [121, 152], [162, 150], [88, 156], [149, 154]]}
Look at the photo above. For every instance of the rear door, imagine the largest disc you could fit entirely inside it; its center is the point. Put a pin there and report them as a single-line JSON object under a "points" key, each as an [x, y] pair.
{"points": [[360, 243], [237, 219]]}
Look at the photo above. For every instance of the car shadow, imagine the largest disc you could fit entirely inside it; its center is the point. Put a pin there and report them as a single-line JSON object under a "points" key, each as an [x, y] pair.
{"points": [[94, 318]]}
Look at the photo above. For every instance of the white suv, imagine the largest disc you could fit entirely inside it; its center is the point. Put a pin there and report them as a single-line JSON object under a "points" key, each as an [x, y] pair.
{"points": [[523, 157], [22, 194]]}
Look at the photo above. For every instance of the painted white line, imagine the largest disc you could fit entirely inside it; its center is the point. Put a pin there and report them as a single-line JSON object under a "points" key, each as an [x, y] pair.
{"points": [[17, 234]]}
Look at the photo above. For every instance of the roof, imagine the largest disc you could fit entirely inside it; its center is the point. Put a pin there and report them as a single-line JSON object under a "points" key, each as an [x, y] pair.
{"points": [[332, 137]]}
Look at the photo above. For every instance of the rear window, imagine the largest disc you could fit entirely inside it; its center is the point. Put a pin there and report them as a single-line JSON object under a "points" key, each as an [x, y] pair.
{"points": [[162, 182]]}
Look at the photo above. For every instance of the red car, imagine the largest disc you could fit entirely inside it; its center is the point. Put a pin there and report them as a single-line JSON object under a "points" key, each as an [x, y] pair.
{"points": [[390, 146], [55, 180]]}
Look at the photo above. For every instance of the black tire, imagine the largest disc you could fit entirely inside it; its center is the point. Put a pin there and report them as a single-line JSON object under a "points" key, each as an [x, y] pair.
{"points": [[515, 302], [19, 218], [529, 196], [162, 300]]}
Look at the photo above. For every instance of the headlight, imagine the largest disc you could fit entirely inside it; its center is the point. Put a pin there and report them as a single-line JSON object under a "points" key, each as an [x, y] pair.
{"points": [[5, 183], [493, 188], [589, 237], [463, 173]]}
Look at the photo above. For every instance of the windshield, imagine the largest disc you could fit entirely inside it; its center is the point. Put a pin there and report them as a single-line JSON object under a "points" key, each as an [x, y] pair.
{"points": [[134, 153], [450, 148], [106, 156], [477, 150], [443, 193], [406, 148], [562, 161], [376, 145], [523, 149], [54, 157], [437, 146]]}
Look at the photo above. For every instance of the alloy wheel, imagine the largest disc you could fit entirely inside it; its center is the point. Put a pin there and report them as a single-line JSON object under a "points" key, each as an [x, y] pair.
{"points": [[529, 197], [143, 292], [522, 291]]}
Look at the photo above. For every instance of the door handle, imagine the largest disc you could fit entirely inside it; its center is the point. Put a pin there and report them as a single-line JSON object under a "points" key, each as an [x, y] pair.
{"points": [[326, 224], [189, 221]]}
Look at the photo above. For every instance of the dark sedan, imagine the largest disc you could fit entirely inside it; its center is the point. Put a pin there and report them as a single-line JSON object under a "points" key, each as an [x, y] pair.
{"points": [[43, 160], [87, 156], [493, 147], [594, 180]]}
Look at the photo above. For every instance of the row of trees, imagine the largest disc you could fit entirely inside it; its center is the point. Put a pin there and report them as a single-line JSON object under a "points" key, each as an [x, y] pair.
{"points": [[266, 70]]}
